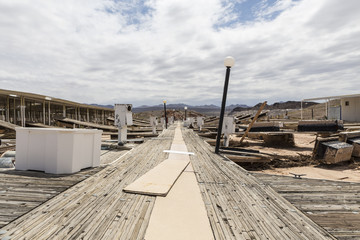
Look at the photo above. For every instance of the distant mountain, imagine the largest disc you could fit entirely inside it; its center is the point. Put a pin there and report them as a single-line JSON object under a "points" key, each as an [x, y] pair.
{"points": [[105, 106], [210, 109], [277, 105]]}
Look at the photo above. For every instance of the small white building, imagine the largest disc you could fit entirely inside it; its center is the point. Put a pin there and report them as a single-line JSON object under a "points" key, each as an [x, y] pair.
{"points": [[349, 109]]}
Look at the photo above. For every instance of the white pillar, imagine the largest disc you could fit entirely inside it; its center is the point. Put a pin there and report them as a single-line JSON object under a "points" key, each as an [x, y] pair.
{"points": [[122, 135]]}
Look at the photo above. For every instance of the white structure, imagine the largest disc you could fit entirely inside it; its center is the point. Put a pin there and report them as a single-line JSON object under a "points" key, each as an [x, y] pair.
{"points": [[162, 121], [200, 122], [56, 150], [153, 123], [192, 121], [349, 109], [187, 122], [227, 129], [123, 118]]}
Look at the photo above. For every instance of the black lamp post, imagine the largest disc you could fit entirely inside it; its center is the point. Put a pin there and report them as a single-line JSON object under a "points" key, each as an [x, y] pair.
{"points": [[185, 108], [229, 62], [165, 113]]}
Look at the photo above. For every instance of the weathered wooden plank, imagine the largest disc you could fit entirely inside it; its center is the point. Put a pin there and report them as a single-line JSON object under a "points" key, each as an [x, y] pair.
{"points": [[97, 207], [334, 205], [239, 203], [21, 191]]}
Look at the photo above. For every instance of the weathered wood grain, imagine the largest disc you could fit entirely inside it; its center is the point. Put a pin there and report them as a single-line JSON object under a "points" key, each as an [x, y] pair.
{"points": [[334, 205], [241, 207]]}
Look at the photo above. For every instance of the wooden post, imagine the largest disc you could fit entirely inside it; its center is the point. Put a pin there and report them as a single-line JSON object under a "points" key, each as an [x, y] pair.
{"points": [[64, 111], [326, 108], [44, 113], [14, 111], [87, 115], [8, 109], [253, 121], [30, 112], [22, 111], [49, 115], [103, 117]]}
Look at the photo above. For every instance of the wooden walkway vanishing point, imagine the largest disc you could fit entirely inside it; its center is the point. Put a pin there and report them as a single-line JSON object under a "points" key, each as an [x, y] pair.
{"points": [[238, 206]]}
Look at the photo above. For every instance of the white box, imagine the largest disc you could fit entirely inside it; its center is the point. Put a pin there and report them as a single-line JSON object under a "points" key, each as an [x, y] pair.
{"points": [[55, 150]]}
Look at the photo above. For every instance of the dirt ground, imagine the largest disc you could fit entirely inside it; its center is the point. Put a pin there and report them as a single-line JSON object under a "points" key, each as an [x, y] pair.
{"points": [[298, 159]]}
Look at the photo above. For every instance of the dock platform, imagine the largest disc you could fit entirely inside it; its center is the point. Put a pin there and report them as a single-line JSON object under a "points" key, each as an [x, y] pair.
{"points": [[238, 205]]}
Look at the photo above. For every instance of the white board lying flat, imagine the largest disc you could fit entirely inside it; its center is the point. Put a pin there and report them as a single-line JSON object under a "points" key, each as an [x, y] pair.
{"points": [[179, 152], [181, 214], [159, 180]]}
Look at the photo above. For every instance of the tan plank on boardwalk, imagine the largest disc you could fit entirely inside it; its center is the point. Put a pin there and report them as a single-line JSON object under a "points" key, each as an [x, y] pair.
{"points": [[159, 180], [181, 214]]}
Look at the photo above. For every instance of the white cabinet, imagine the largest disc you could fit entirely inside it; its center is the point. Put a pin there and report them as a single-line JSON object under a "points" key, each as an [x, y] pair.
{"points": [[55, 150]]}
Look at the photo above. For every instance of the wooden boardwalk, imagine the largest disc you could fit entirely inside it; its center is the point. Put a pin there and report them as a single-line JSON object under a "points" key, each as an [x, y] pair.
{"points": [[238, 205], [334, 205], [22, 191]]}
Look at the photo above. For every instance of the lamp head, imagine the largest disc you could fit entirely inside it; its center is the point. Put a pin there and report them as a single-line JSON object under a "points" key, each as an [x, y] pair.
{"points": [[164, 101], [229, 61]]}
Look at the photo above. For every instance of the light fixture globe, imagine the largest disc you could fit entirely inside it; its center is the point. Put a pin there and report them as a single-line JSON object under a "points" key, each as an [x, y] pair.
{"points": [[229, 61], [164, 101], [185, 108]]}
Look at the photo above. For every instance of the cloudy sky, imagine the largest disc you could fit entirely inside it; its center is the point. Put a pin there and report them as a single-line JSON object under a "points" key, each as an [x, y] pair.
{"points": [[144, 51]]}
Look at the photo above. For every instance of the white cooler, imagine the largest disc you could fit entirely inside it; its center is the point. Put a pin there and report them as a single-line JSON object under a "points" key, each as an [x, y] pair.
{"points": [[56, 150]]}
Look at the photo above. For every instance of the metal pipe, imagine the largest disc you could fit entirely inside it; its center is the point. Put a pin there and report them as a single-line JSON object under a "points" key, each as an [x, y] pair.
{"points": [[222, 112]]}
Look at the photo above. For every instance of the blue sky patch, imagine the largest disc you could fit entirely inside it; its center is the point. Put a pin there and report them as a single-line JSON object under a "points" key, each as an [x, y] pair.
{"points": [[132, 11], [249, 11]]}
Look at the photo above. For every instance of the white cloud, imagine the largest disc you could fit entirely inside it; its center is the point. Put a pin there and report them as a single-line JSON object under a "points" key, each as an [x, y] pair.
{"points": [[111, 52]]}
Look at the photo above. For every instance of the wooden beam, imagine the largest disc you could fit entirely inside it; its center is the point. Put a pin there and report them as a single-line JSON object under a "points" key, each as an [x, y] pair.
{"points": [[7, 109], [49, 113], [253, 121], [243, 159], [44, 113]]}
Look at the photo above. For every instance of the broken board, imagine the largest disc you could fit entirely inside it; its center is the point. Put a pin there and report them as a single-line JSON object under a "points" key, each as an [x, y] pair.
{"points": [[159, 180]]}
